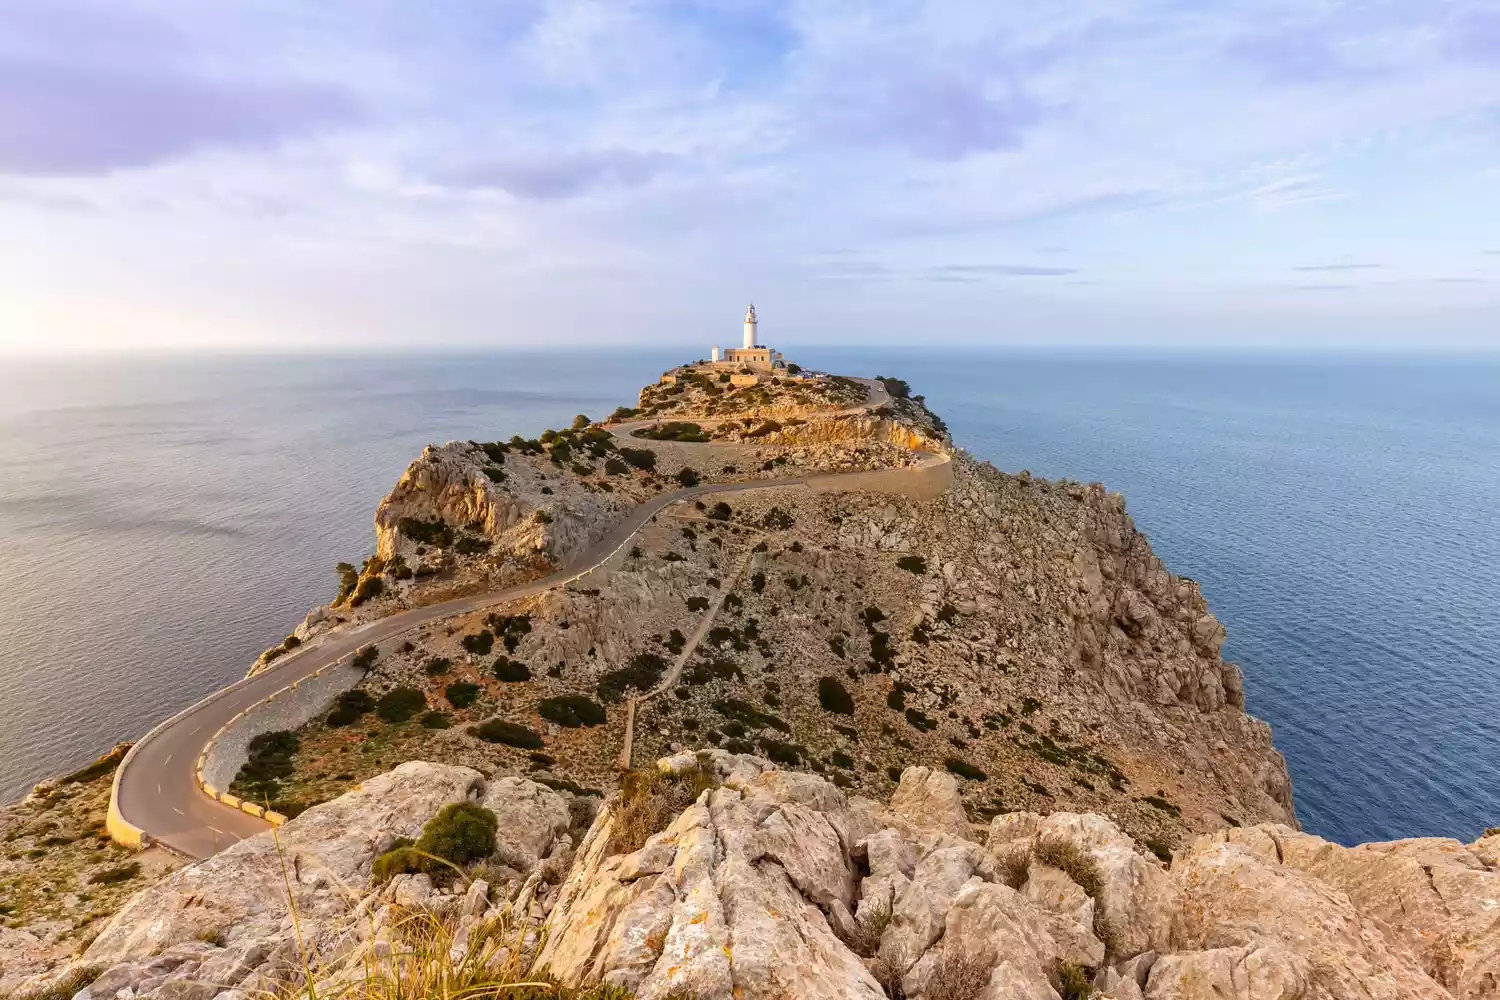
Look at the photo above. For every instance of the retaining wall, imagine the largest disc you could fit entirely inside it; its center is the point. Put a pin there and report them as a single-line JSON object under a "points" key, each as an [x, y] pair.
{"points": [[288, 708]]}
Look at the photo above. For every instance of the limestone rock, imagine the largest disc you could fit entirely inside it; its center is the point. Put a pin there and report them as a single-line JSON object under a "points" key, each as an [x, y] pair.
{"points": [[929, 799], [1247, 972]]}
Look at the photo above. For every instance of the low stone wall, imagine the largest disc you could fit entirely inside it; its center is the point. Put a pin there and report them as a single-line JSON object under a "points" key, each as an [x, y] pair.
{"points": [[288, 708]]}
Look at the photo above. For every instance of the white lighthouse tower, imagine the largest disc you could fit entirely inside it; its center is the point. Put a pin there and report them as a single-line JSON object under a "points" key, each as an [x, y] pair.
{"points": [[750, 330]]}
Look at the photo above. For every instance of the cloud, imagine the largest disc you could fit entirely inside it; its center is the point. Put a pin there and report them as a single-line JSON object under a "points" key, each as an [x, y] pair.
{"points": [[1336, 267], [1008, 270], [1322, 288], [87, 119], [559, 175], [1459, 281]]}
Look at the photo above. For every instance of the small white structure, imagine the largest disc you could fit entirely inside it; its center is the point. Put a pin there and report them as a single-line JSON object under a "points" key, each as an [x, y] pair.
{"points": [[753, 354]]}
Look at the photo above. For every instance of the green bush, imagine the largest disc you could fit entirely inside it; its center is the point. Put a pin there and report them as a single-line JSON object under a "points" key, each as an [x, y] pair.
{"points": [[622, 413], [641, 458], [511, 671], [267, 762], [696, 604], [642, 673], [349, 706], [462, 694], [913, 564], [720, 511], [920, 721], [472, 545], [777, 519], [964, 769], [675, 639], [687, 477], [461, 833], [366, 657], [614, 466], [479, 643], [436, 720], [400, 703], [348, 580], [834, 697], [438, 665], [571, 711], [508, 733], [435, 532], [368, 589], [117, 874], [581, 422], [742, 711], [897, 388]]}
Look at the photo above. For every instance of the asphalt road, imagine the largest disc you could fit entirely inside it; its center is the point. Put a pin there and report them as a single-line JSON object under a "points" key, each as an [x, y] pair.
{"points": [[156, 787]]}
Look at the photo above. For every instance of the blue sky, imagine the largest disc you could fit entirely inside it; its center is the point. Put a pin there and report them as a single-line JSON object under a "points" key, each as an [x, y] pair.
{"points": [[346, 173]]}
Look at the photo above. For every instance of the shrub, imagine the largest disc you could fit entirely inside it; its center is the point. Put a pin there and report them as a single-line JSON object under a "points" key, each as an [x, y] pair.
{"points": [[366, 657], [1015, 867], [348, 580], [789, 754], [462, 694], [349, 706], [494, 473], [675, 639], [696, 604], [436, 720], [511, 671], [642, 672], [964, 769], [913, 564], [572, 711], [650, 800], [687, 477], [641, 458], [268, 760], [1070, 859], [581, 422], [479, 643], [508, 733], [958, 976], [435, 532], [117, 874], [438, 665], [400, 703], [920, 721], [897, 388], [369, 588], [495, 451], [472, 545], [720, 511], [841, 759], [758, 582], [742, 711], [834, 697], [613, 466], [1073, 982]]}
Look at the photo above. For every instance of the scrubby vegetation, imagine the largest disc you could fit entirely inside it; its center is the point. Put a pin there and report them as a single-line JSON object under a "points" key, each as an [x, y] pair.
{"points": [[572, 711], [268, 763], [649, 800], [400, 704], [507, 733], [349, 706], [460, 833], [834, 697], [511, 671], [462, 694], [642, 673]]}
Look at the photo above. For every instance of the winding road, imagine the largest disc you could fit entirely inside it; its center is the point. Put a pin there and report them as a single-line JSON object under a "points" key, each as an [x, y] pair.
{"points": [[156, 797]]}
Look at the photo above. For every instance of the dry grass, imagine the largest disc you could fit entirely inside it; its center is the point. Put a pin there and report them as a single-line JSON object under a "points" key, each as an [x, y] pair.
{"points": [[864, 938], [1070, 859], [650, 800], [957, 977], [1015, 867], [1073, 982], [64, 988]]}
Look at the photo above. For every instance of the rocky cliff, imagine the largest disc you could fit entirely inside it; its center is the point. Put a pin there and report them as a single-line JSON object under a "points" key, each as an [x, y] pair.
{"points": [[763, 883]]}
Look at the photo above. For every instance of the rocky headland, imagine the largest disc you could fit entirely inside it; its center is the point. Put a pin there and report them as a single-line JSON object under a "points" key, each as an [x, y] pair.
{"points": [[684, 751]]}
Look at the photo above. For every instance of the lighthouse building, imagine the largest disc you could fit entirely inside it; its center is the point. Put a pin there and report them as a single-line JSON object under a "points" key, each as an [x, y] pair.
{"points": [[754, 354]]}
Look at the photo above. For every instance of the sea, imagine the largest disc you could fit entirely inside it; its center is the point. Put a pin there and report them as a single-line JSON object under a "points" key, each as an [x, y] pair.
{"points": [[164, 518]]}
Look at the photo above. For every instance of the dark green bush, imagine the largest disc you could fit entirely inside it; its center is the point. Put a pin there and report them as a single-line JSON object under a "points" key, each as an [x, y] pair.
{"points": [[462, 694], [268, 761], [913, 564], [920, 721], [720, 511], [675, 639], [435, 532], [572, 711], [117, 874], [641, 458], [696, 604], [687, 477], [349, 706], [366, 657], [479, 643], [834, 697], [368, 589], [508, 733], [436, 720], [400, 703], [642, 673], [348, 580], [472, 545], [511, 671], [964, 769], [841, 759], [494, 473], [438, 665], [742, 711], [614, 466]]}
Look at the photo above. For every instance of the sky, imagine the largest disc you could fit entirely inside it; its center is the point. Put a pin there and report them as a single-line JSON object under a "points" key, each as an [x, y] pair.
{"points": [[380, 174]]}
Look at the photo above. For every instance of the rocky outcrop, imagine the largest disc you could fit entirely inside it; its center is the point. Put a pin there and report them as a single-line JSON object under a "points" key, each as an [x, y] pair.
{"points": [[776, 883]]}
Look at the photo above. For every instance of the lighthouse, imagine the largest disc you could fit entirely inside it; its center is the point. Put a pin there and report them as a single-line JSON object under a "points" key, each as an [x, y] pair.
{"points": [[750, 330], [752, 356]]}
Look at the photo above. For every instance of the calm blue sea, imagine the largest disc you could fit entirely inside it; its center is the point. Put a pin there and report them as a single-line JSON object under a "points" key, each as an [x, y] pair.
{"points": [[162, 520]]}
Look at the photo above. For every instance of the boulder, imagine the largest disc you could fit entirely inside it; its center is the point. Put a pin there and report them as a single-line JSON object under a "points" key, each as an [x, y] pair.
{"points": [[1247, 972], [928, 799]]}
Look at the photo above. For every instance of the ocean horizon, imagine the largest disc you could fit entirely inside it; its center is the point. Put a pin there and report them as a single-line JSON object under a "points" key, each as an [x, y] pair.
{"points": [[167, 516]]}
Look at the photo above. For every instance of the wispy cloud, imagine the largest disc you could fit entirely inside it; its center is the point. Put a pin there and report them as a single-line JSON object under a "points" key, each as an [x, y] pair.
{"points": [[1460, 281], [1003, 270], [558, 175], [1330, 287], [1335, 267]]}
